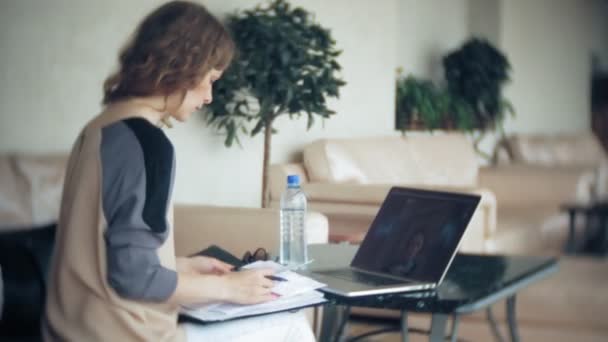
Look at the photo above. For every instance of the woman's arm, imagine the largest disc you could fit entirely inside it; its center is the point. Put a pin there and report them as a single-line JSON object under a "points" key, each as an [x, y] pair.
{"points": [[202, 264], [243, 287], [137, 164]]}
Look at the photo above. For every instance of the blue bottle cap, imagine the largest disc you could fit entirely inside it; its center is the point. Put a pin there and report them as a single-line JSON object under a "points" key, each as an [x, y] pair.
{"points": [[293, 180]]}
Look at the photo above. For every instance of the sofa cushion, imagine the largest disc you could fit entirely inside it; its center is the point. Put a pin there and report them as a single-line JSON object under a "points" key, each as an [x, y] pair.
{"points": [[557, 150], [30, 189], [445, 159], [582, 150], [15, 203], [44, 175], [442, 159], [519, 185]]}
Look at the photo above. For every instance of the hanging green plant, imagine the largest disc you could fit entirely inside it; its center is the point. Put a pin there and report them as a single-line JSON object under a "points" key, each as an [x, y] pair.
{"points": [[475, 75]]}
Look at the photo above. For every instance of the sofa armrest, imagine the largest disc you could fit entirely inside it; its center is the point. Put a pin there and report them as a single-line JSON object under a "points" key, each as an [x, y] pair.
{"points": [[519, 185], [346, 192], [483, 223], [236, 229]]}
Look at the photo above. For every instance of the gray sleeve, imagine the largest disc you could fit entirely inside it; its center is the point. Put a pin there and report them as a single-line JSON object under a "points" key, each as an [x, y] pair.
{"points": [[133, 266]]}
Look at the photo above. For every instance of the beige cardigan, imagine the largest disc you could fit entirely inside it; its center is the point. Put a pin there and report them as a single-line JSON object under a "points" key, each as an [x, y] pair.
{"points": [[81, 305]]}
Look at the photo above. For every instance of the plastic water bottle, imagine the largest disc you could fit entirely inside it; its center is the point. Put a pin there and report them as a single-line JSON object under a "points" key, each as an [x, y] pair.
{"points": [[293, 224]]}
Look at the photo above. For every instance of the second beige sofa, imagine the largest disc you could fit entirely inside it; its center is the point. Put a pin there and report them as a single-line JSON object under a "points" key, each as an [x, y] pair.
{"points": [[538, 174]]}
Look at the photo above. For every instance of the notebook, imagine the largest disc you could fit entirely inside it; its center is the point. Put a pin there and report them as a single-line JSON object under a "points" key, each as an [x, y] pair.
{"points": [[296, 292]]}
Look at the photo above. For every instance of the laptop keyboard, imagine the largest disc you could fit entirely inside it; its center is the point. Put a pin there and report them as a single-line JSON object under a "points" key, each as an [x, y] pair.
{"points": [[361, 277]]}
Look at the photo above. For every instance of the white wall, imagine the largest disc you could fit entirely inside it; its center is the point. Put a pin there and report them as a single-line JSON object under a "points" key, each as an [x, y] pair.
{"points": [[56, 54], [484, 19], [428, 29], [549, 44], [546, 42]]}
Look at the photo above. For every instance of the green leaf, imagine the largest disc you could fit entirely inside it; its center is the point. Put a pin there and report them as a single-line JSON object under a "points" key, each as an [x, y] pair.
{"points": [[311, 121], [258, 127], [231, 134]]}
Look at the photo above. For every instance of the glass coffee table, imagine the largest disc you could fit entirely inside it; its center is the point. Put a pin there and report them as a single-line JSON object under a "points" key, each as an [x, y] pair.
{"points": [[473, 282]]}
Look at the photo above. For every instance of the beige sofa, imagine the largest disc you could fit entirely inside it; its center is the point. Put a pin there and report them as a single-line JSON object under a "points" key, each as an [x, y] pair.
{"points": [[568, 152], [347, 179], [30, 192], [535, 176], [30, 195]]}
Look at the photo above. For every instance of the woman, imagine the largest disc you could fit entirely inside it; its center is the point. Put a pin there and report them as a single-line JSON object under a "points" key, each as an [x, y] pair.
{"points": [[114, 274]]}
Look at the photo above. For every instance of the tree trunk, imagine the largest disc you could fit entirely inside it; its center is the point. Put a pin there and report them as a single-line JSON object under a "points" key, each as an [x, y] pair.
{"points": [[266, 163]]}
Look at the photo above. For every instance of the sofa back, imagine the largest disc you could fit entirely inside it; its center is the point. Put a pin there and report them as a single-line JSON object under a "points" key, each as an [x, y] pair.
{"points": [[30, 189], [441, 159], [582, 149]]}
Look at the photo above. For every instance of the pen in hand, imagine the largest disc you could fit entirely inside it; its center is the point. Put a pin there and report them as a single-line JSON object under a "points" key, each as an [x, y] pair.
{"points": [[271, 277], [275, 278]]}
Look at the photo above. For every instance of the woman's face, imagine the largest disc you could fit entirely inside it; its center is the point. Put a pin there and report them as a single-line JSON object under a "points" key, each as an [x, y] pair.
{"points": [[197, 97]]}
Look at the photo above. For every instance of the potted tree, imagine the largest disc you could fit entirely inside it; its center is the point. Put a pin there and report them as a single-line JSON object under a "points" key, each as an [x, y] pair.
{"points": [[286, 65], [420, 104]]}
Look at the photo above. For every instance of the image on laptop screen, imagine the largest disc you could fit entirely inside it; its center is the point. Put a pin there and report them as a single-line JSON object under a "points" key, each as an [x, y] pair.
{"points": [[415, 234]]}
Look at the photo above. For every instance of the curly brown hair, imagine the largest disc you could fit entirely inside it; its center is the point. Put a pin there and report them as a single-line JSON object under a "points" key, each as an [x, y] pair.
{"points": [[173, 48]]}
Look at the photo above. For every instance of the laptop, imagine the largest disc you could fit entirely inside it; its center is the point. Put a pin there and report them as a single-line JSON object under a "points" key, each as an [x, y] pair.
{"points": [[409, 246]]}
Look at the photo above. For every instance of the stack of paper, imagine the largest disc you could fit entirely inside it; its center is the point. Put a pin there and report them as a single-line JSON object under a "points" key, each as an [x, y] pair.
{"points": [[296, 291]]}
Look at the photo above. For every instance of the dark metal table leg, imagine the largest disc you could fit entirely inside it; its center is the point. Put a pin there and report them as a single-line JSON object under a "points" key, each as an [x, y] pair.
{"points": [[342, 326], [570, 248], [513, 331], [333, 322], [404, 327], [493, 325], [603, 233], [438, 325], [455, 322]]}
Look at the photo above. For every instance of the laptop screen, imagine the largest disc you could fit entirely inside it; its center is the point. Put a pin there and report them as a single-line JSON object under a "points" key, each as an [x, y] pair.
{"points": [[416, 233]]}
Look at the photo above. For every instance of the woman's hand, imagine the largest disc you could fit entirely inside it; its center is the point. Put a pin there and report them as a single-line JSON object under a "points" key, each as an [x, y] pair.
{"points": [[243, 287], [248, 286], [202, 265]]}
